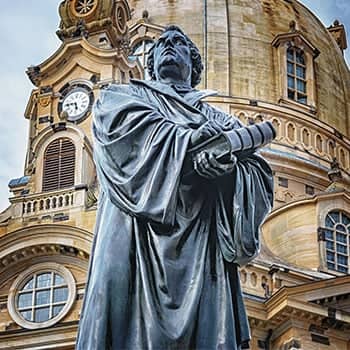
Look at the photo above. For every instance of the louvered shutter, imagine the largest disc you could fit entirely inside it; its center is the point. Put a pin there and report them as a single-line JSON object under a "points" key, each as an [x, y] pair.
{"points": [[59, 165]]}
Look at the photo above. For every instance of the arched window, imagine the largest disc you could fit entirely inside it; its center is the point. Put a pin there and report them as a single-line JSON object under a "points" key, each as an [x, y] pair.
{"points": [[59, 165], [296, 78], [337, 237], [140, 53]]}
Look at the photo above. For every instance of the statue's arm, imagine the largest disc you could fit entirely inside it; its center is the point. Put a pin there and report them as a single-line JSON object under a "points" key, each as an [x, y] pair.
{"points": [[244, 198], [217, 155], [139, 155]]}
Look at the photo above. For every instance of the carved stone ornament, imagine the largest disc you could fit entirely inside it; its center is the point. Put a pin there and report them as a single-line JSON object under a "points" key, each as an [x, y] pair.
{"points": [[83, 8], [81, 18], [44, 101]]}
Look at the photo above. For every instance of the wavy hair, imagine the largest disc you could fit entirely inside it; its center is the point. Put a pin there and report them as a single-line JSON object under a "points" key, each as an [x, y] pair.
{"points": [[197, 66]]}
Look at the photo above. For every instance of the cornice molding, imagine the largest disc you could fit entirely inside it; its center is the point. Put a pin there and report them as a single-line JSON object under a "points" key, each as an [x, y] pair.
{"points": [[43, 235], [65, 52], [330, 196]]}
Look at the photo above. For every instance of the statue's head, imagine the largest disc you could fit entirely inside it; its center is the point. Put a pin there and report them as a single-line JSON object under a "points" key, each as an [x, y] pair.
{"points": [[175, 56]]}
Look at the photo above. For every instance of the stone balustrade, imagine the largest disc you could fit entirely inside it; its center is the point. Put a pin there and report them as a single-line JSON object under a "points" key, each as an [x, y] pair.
{"points": [[320, 141], [46, 203], [297, 130]]}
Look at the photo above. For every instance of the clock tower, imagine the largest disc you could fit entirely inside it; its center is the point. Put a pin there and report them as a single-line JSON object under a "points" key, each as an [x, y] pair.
{"points": [[94, 53], [46, 233]]}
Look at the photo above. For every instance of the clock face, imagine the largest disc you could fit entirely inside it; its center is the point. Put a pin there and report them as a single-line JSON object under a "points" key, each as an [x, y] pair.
{"points": [[76, 103]]}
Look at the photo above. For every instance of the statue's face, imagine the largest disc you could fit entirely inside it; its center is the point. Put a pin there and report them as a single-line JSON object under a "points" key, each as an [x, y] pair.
{"points": [[172, 58]]}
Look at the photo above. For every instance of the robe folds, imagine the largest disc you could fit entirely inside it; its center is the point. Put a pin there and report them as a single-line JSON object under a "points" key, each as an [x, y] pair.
{"points": [[163, 269]]}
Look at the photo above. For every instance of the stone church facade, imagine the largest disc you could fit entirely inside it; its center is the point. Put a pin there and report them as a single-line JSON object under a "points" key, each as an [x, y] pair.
{"points": [[269, 60]]}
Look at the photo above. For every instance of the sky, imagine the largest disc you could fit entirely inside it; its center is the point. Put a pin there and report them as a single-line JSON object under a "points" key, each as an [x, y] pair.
{"points": [[27, 36]]}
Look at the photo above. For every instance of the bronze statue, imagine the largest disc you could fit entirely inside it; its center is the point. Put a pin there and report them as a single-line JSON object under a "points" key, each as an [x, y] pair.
{"points": [[183, 195]]}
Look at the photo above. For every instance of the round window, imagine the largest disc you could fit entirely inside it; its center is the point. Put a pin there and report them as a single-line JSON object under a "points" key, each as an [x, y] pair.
{"points": [[82, 8], [41, 296]]}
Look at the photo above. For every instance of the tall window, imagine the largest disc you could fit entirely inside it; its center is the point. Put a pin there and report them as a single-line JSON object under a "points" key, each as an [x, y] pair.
{"points": [[59, 165], [337, 237], [296, 68], [140, 53]]}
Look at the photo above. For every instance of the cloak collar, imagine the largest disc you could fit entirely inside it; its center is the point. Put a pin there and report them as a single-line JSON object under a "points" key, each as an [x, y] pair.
{"points": [[189, 99]]}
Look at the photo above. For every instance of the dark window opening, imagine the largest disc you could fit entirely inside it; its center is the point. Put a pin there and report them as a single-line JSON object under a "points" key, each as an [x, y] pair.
{"points": [[309, 190], [283, 182], [59, 165]]}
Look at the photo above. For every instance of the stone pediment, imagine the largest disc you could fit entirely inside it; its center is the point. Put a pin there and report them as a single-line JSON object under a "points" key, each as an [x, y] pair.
{"points": [[295, 38], [143, 28]]}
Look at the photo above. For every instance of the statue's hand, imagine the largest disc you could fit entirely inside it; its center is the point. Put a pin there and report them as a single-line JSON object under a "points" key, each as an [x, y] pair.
{"points": [[206, 165], [204, 132]]}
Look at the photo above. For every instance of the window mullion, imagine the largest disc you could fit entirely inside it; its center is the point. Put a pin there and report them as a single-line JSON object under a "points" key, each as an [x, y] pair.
{"points": [[51, 295], [295, 75], [331, 219], [33, 298], [144, 54], [347, 249], [336, 249]]}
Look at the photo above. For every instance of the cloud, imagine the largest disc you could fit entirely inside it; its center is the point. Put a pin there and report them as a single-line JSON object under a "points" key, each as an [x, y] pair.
{"points": [[344, 7], [328, 11], [27, 34]]}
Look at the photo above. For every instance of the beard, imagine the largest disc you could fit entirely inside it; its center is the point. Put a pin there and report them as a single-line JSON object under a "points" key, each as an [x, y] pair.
{"points": [[168, 70], [168, 60]]}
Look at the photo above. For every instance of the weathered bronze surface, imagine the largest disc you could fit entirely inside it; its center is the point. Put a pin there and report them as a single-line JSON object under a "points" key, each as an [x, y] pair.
{"points": [[163, 270]]}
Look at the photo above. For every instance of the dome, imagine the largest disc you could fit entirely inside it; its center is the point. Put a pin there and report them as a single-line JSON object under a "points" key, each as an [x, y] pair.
{"points": [[274, 60], [236, 41]]}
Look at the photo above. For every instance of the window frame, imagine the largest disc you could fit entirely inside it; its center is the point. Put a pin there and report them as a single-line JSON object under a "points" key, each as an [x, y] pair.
{"points": [[23, 278], [296, 40], [61, 163], [297, 54], [142, 57]]}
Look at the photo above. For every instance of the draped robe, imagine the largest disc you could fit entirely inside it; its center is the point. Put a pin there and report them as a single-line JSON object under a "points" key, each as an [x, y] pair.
{"points": [[163, 269]]}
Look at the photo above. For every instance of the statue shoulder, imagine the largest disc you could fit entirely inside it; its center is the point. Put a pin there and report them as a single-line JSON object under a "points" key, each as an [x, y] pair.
{"points": [[117, 92], [116, 88]]}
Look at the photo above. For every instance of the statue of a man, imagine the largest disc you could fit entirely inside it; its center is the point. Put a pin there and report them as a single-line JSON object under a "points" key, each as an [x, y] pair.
{"points": [[163, 271]]}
